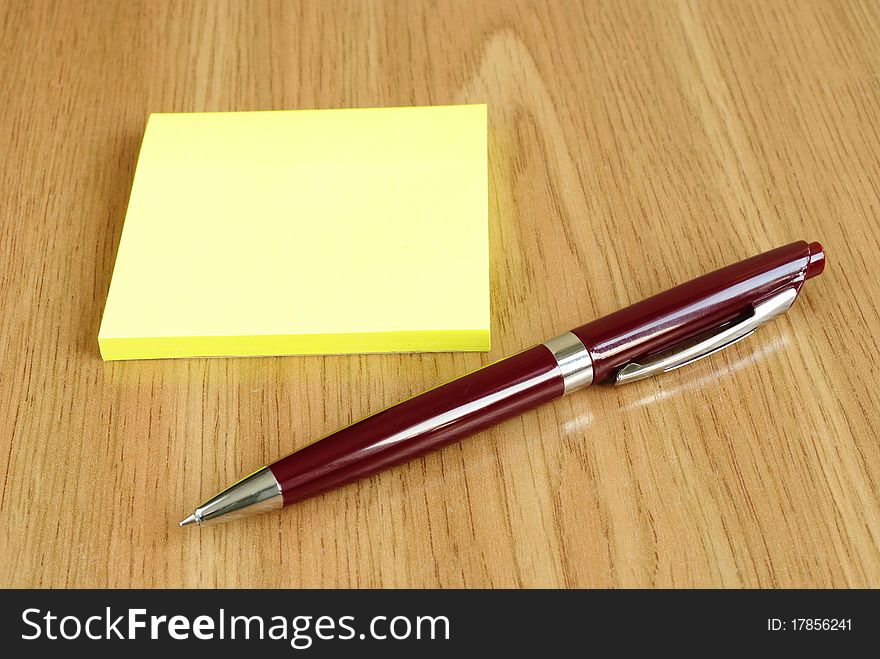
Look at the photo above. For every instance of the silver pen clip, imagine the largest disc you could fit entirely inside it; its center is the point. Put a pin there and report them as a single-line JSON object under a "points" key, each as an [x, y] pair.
{"points": [[709, 342]]}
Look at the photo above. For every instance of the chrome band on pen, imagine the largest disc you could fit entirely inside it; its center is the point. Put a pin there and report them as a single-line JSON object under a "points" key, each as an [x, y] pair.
{"points": [[574, 361]]}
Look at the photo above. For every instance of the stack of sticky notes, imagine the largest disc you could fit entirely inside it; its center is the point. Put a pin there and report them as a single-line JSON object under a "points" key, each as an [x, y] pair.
{"points": [[304, 232]]}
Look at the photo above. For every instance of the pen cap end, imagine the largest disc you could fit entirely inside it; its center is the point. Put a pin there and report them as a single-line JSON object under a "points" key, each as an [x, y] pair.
{"points": [[817, 260]]}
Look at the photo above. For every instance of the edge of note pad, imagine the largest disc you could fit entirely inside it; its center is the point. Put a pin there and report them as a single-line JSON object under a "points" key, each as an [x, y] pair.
{"points": [[285, 344]]}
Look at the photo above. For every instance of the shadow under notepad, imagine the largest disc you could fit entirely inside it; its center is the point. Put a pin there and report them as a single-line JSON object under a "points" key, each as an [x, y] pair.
{"points": [[113, 173]]}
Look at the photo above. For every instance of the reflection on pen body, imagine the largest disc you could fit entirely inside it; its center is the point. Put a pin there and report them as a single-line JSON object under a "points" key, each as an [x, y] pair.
{"points": [[656, 335]]}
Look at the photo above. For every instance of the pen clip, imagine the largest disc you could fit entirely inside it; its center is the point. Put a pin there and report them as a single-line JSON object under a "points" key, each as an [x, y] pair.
{"points": [[709, 342]]}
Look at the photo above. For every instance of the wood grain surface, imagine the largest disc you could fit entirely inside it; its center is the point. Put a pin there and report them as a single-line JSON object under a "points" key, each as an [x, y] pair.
{"points": [[633, 145]]}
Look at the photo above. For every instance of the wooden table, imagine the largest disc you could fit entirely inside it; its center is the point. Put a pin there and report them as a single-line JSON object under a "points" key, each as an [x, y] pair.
{"points": [[633, 145]]}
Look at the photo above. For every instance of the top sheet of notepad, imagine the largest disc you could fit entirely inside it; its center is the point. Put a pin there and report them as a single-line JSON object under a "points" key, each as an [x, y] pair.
{"points": [[304, 232]]}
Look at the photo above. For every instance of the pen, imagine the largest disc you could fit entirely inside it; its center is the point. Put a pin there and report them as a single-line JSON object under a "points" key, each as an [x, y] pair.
{"points": [[659, 334]]}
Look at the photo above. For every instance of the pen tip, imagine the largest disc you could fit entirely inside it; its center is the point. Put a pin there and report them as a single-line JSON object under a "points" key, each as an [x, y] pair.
{"points": [[189, 520]]}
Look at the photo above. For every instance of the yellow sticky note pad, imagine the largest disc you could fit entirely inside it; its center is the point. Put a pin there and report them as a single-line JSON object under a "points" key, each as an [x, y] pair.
{"points": [[304, 232]]}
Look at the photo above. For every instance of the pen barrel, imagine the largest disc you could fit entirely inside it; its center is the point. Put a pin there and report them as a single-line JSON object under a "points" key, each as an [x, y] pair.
{"points": [[684, 312], [421, 424]]}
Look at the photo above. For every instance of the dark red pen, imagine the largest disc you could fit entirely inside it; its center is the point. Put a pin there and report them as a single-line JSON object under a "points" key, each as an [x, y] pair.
{"points": [[653, 336]]}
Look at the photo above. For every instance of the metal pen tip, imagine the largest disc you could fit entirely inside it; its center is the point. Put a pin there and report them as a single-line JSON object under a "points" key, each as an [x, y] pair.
{"points": [[189, 520]]}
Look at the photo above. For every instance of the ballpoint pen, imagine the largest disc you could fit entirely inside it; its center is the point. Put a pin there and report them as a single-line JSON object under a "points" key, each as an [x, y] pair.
{"points": [[659, 334]]}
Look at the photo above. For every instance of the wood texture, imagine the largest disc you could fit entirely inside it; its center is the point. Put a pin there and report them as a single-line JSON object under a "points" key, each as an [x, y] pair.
{"points": [[633, 145]]}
